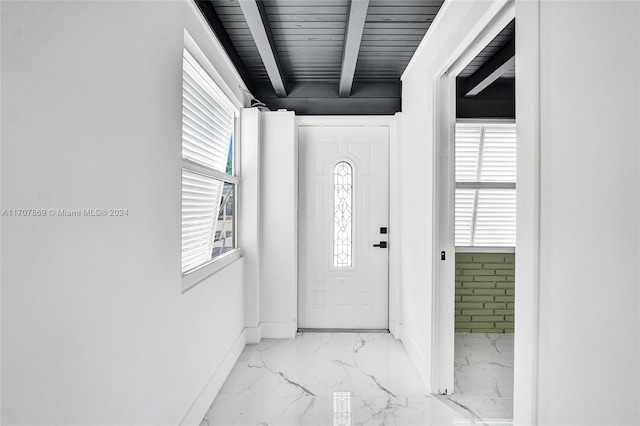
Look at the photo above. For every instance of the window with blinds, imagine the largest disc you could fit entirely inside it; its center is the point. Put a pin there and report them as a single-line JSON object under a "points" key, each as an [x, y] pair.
{"points": [[485, 197], [208, 176]]}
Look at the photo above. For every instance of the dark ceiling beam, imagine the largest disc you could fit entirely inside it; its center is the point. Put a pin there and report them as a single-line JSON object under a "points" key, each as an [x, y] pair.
{"points": [[352, 39], [318, 98], [503, 61], [337, 106], [256, 18], [209, 12]]}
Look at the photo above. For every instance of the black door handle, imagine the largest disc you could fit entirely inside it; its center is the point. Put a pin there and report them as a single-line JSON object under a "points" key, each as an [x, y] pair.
{"points": [[383, 244]]}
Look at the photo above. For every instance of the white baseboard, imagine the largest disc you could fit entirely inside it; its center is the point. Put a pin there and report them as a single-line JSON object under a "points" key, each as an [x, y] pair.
{"points": [[254, 334], [271, 330], [203, 401], [396, 331], [418, 358], [279, 330]]}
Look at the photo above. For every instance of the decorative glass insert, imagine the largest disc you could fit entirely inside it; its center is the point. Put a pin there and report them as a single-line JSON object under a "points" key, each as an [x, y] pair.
{"points": [[342, 215]]}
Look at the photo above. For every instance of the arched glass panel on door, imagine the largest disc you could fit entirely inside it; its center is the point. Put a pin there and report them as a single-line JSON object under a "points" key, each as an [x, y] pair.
{"points": [[342, 215]]}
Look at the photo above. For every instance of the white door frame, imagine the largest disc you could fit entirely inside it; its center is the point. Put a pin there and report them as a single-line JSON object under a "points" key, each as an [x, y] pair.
{"points": [[394, 224], [493, 21], [500, 13]]}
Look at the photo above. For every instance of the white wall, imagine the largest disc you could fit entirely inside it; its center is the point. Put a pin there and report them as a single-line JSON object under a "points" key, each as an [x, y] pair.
{"points": [[528, 219], [95, 329], [278, 225], [583, 332], [416, 158], [589, 321], [250, 214], [395, 229]]}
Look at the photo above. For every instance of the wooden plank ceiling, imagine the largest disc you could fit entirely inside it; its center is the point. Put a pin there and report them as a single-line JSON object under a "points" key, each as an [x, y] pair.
{"points": [[503, 38], [308, 39]]}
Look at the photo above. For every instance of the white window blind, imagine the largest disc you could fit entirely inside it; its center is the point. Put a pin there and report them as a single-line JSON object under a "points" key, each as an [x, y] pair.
{"points": [[485, 199], [200, 202], [207, 118], [498, 154], [495, 223], [208, 122], [465, 202], [467, 147]]}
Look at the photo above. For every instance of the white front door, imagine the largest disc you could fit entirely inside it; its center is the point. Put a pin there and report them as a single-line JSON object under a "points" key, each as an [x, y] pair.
{"points": [[344, 211]]}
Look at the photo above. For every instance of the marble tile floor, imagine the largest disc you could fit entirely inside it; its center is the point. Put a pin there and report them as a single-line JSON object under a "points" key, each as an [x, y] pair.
{"points": [[329, 379], [484, 377]]}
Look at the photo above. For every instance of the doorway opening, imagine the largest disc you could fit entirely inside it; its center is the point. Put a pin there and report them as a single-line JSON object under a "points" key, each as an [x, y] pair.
{"points": [[485, 230], [448, 112]]}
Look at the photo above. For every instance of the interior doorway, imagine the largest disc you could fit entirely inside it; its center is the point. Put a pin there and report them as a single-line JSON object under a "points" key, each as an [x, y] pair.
{"points": [[485, 230], [447, 108]]}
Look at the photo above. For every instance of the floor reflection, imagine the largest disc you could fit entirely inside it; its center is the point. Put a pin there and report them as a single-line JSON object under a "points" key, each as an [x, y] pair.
{"points": [[342, 409], [328, 379]]}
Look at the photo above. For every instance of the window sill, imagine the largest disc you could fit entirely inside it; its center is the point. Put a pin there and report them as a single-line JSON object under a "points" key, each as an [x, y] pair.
{"points": [[466, 249], [195, 276]]}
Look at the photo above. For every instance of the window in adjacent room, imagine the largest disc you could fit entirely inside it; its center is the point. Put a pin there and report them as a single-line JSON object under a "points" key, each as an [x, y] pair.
{"points": [[485, 197], [209, 176]]}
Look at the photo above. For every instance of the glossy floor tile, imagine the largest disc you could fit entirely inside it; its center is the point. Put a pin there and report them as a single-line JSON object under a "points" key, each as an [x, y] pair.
{"points": [[329, 379], [484, 376]]}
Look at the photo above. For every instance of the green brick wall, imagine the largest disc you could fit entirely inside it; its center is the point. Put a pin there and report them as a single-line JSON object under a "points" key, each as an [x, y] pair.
{"points": [[485, 292]]}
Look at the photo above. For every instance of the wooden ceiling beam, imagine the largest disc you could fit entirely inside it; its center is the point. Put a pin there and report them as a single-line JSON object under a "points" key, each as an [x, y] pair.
{"points": [[503, 61], [353, 38], [256, 18], [322, 98]]}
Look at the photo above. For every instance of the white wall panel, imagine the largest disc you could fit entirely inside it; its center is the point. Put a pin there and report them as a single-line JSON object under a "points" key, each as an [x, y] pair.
{"points": [[278, 225], [416, 160], [95, 329], [589, 326]]}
